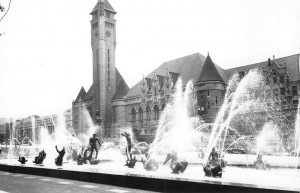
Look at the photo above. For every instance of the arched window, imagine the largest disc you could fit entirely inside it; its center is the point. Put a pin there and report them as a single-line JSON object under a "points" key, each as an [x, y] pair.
{"points": [[163, 106], [141, 115], [148, 116], [133, 115], [156, 112]]}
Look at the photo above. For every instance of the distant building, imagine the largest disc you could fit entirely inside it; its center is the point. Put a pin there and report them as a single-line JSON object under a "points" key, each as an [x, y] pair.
{"points": [[28, 129], [5, 125], [113, 106], [68, 120]]}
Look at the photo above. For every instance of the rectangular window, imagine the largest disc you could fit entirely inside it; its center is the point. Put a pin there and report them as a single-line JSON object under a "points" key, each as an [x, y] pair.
{"points": [[216, 100], [109, 25], [208, 105], [282, 79], [207, 93], [294, 90], [275, 80]]}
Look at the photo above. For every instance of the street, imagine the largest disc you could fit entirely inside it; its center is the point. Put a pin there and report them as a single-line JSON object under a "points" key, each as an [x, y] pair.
{"points": [[23, 183]]}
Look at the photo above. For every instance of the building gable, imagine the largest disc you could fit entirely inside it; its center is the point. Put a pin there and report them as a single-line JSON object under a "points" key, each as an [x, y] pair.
{"points": [[80, 95]]}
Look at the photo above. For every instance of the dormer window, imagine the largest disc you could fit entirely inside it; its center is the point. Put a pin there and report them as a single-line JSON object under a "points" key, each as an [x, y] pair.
{"points": [[241, 74]]}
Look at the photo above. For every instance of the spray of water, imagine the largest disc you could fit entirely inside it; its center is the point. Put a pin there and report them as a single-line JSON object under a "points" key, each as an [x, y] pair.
{"points": [[175, 130], [268, 141], [239, 98], [297, 134]]}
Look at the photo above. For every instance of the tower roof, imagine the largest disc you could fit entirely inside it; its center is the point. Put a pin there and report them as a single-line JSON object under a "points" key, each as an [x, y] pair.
{"points": [[89, 94], [209, 72], [107, 7], [121, 86], [80, 95]]}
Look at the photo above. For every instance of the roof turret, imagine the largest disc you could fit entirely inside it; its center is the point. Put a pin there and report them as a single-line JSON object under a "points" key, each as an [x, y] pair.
{"points": [[209, 72]]}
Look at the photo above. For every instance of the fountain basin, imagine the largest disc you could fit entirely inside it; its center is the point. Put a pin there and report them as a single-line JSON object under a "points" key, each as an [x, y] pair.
{"points": [[235, 179], [274, 160]]}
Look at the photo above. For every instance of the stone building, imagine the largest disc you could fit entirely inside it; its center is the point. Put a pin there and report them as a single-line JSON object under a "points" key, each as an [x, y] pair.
{"points": [[28, 129], [5, 125], [108, 83], [113, 106], [68, 119]]}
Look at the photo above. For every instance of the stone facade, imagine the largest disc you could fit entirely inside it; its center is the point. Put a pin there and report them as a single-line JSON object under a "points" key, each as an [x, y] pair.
{"points": [[28, 129], [113, 106], [68, 120], [5, 125]]}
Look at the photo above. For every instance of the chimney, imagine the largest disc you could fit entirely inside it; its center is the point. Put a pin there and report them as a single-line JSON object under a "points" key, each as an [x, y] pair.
{"points": [[269, 62]]}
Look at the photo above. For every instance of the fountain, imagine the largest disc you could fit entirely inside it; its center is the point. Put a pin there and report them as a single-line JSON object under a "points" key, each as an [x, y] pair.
{"points": [[297, 136], [247, 119]]}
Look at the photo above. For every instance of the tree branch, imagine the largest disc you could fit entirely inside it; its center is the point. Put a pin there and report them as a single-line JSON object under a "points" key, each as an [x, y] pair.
{"points": [[6, 11]]}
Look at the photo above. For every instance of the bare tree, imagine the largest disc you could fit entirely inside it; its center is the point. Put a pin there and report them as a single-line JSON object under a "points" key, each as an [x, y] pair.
{"points": [[2, 9]]}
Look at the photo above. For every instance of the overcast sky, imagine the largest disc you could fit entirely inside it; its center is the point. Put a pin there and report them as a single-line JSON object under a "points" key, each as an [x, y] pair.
{"points": [[45, 53]]}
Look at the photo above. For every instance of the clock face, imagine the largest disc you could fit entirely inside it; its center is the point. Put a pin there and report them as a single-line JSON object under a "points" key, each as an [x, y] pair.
{"points": [[107, 33]]}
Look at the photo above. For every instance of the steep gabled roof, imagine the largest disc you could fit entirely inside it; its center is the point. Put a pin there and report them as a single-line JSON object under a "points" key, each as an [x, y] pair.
{"points": [[291, 62], [89, 94], [121, 86], [107, 7], [209, 72], [187, 67], [81, 94]]}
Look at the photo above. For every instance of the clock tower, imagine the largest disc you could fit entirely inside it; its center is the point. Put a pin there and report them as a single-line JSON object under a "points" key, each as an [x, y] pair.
{"points": [[103, 42]]}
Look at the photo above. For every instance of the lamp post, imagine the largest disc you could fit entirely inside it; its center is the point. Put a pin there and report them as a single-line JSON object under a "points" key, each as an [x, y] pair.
{"points": [[200, 110]]}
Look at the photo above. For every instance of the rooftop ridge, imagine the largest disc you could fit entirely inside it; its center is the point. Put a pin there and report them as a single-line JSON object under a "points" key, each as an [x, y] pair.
{"points": [[256, 63]]}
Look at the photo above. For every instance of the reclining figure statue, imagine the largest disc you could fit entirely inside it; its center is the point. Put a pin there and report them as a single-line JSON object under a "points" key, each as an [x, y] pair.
{"points": [[40, 158]]}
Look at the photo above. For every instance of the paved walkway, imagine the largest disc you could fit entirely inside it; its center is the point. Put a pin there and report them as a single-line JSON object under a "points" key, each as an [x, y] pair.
{"points": [[22, 183]]}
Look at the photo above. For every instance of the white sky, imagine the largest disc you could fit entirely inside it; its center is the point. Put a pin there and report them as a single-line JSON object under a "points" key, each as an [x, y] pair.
{"points": [[45, 53]]}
